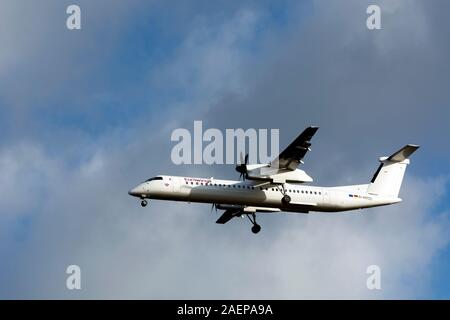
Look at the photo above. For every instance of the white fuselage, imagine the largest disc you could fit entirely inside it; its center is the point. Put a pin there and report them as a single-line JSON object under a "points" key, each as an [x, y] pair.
{"points": [[304, 198]]}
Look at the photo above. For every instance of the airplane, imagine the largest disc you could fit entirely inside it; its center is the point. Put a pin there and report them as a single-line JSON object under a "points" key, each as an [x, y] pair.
{"points": [[279, 186]]}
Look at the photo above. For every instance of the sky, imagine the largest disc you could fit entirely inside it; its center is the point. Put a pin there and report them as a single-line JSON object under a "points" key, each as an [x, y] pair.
{"points": [[87, 114]]}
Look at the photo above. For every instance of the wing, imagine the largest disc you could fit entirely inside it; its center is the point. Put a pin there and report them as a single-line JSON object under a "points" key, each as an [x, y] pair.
{"points": [[239, 210], [290, 157], [228, 215]]}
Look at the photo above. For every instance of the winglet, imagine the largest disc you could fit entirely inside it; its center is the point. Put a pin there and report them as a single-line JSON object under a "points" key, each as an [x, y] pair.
{"points": [[403, 153]]}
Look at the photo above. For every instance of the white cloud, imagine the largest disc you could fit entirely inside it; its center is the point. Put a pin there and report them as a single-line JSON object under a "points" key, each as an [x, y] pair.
{"points": [[26, 171], [171, 250]]}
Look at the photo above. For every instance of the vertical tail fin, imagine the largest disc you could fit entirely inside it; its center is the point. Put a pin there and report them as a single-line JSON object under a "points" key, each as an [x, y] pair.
{"points": [[387, 180]]}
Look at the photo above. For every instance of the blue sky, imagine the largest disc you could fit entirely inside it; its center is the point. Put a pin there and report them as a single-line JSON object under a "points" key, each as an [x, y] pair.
{"points": [[87, 114]]}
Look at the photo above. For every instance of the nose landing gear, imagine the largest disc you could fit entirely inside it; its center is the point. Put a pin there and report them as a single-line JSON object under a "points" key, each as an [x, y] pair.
{"points": [[143, 203]]}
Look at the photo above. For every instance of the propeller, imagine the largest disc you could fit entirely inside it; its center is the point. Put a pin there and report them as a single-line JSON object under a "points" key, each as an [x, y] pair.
{"points": [[214, 206], [242, 168]]}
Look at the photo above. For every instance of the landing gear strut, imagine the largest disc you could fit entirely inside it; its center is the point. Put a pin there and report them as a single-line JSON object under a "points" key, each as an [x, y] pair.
{"points": [[143, 203], [256, 227]]}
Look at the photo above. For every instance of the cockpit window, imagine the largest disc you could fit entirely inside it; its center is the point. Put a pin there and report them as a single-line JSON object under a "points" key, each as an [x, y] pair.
{"points": [[154, 178]]}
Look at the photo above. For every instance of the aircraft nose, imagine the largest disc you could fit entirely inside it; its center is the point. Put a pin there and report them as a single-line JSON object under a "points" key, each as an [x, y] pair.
{"points": [[134, 192]]}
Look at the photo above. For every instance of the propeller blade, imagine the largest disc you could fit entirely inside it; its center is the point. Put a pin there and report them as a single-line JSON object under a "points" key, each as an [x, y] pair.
{"points": [[242, 167]]}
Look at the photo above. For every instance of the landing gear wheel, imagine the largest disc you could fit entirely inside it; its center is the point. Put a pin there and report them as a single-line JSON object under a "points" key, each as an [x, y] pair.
{"points": [[256, 228], [143, 203], [286, 198]]}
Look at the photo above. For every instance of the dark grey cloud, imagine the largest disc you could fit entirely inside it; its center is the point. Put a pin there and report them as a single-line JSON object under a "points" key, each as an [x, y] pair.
{"points": [[369, 91]]}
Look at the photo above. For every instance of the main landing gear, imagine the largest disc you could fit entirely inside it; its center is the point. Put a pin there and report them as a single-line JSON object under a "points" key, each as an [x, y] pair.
{"points": [[143, 203], [286, 198], [256, 227]]}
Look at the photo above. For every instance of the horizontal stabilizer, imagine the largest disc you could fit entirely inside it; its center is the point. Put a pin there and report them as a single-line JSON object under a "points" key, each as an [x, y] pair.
{"points": [[403, 153]]}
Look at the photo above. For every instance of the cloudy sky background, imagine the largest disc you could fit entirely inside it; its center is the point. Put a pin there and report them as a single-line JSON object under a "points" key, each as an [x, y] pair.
{"points": [[86, 115]]}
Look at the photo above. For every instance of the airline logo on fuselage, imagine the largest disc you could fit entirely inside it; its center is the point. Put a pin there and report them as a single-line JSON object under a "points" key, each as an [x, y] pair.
{"points": [[199, 180]]}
